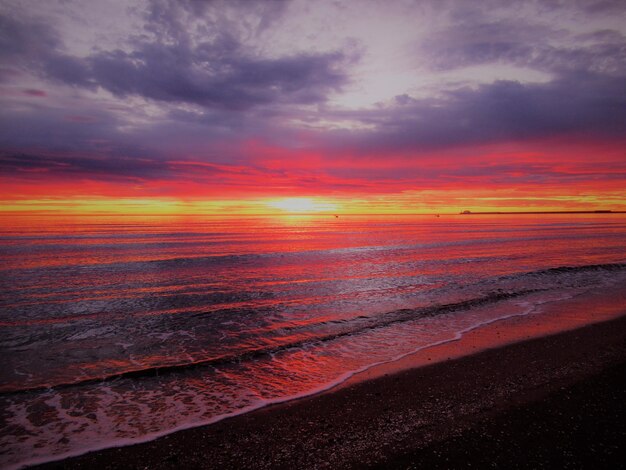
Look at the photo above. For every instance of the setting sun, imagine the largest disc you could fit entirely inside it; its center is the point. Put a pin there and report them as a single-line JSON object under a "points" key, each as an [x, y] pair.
{"points": [[302, 204]]}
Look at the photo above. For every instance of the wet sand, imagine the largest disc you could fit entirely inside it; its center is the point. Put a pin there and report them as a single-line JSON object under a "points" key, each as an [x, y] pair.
{"points": [[555, 401]]}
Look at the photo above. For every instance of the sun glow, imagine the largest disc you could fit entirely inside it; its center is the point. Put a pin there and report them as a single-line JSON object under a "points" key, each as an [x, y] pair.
{"points": [[302, 204]]}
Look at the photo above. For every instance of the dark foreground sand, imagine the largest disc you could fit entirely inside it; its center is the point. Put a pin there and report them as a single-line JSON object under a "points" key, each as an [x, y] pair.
{"points": [[552, 402]]}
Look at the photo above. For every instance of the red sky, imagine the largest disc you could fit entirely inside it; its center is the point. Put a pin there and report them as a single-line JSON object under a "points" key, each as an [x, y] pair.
{"points": [[259, 107]]}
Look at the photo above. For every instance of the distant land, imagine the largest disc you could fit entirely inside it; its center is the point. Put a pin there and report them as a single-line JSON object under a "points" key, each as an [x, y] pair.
{"points": [[545, 212]]}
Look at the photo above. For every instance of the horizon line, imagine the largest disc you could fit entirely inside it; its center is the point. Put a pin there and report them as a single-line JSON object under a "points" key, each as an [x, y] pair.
{"points": [[331, 214]]}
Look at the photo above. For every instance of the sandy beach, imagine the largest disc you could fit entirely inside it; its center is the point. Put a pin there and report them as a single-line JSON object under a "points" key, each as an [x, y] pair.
{"points": [[553, 401]]}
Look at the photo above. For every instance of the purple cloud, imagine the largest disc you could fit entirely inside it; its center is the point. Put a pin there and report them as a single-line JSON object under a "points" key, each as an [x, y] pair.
{"points": [[93, 167], [197, 80], [212, 78], [502, 111], [169, 65]]}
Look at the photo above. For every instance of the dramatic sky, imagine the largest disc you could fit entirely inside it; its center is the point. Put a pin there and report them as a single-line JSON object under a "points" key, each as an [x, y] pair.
{"points": [[346, 106]]}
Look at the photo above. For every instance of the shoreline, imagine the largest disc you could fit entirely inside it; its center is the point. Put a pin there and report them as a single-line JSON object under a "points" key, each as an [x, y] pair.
{"points": [[551, 318], [337, 426]]}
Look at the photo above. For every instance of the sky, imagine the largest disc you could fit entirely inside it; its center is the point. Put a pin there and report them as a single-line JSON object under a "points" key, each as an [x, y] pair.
{"points": [[229, 107]]}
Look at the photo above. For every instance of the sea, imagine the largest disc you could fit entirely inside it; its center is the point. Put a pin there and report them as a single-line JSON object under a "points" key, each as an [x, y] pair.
{"points": [[120, 329]]}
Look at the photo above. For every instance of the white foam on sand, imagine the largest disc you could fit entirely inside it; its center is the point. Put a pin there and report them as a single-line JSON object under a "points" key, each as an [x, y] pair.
{"points": [[517, 308]]}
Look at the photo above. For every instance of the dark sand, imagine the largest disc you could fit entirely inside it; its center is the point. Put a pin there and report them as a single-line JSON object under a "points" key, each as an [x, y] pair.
{"points": [[552, 402]]}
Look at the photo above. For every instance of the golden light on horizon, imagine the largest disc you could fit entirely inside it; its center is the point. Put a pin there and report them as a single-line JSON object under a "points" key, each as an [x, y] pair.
{"points": [[302, 204], [444, 201]]}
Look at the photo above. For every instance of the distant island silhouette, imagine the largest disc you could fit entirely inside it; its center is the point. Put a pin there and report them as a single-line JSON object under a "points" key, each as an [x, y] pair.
{"points": [[543, 212]]}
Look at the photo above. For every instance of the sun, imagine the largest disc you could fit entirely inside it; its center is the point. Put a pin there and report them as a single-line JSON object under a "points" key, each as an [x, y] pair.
{"points": [[301, 205]]}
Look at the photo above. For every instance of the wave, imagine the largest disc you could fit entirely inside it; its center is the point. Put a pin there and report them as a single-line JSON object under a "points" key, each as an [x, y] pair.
{"points": [[583, 268], [353, 326], [358, 326], [580, 269]]}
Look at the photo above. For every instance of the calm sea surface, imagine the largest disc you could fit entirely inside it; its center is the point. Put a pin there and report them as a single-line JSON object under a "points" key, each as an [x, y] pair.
{"points": [[117, 330]]}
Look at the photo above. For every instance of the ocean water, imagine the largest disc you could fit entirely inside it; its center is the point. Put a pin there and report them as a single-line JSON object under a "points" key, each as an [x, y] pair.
{"points": [[119, 330]]}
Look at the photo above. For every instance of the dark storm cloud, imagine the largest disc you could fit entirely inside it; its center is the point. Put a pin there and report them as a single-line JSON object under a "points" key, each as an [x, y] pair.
{"points": [[584, 92], [168, 63], [205, 77], [503, 111]]}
